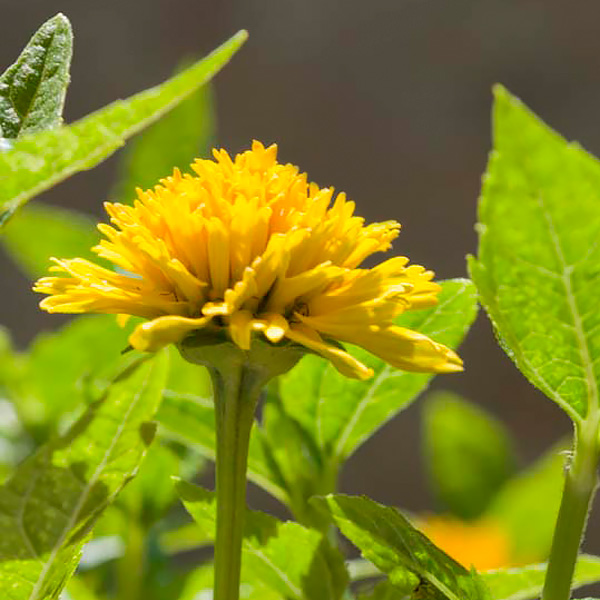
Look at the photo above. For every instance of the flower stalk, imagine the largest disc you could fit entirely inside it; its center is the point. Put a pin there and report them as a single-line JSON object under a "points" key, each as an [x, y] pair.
{"points": [[235, 396], [580, 486], [238, 376]]}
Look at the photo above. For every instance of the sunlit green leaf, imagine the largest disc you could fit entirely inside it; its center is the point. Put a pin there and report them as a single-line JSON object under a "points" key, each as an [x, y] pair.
{"points": [[185, 133], [538, 265], [291, 455], [469, 454], [527, 507], [341, 413], [390, 542], [296, 562], [32, 90], [62, 370], [67, 234], [39, 161], [49, 506], [523, 583]]}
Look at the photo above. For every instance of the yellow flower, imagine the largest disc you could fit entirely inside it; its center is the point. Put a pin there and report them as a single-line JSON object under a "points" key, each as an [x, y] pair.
{"points": [[483, 544], [247, 247]]}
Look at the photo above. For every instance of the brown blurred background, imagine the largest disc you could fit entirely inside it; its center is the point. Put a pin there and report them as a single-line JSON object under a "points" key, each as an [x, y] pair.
{"points": [[388, 100]]}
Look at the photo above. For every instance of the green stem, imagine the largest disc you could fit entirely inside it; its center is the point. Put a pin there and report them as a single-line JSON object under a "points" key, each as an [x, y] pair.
{"points": [[236, 393], [131, 565], [580, 486]]}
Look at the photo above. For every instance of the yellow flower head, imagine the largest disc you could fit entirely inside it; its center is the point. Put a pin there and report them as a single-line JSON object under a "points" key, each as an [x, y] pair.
{"points": [[249, 247]]}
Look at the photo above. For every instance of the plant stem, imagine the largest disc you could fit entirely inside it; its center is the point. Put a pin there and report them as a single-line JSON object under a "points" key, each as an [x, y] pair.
{"points": [[580, 486], [131, 565], [236, 393]]}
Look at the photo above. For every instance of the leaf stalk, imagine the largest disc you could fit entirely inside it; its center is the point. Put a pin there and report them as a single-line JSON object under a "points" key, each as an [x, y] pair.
{"points": [[581, 482]]}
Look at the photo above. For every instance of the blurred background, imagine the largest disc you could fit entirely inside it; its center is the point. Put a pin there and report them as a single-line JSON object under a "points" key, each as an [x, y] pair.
{"points": [[388, 100]]}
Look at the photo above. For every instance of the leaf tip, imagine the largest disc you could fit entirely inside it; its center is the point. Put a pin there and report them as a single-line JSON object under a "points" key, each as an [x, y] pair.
{"points": [[60, 21]]}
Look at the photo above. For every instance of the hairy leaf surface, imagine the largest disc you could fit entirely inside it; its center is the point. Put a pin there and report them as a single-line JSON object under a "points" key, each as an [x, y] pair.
{"points": [[37, 162], [523, 583], [32, 90], [538, 266], [392, 544], [48, 507], [296, 562]]}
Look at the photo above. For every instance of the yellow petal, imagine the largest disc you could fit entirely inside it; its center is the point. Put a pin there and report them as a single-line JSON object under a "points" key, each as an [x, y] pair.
{"points": [[406, 349], [345, 363], [151, 336], [273, 326], [240, 328]]}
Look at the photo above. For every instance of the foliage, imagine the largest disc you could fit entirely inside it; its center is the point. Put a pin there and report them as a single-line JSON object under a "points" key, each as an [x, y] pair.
{"points": [[32, 91], [76, 416], [40, 161]]}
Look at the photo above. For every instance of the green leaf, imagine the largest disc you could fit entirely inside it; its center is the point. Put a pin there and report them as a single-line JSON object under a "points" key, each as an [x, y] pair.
{"points": [[469, 454], [522, 583], [392, 544], [66, 234], [199, 585], [341, 413], [296, 562], [152, 492], [49, 506], [65, 369], [539, 255], [202, 506], [527, 506], [288, 456], [39, 161], [293, 461], [185, 133], [384, 591], [32, 90]]}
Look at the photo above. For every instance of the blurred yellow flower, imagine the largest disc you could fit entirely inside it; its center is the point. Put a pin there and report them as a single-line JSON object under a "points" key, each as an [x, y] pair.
{"points": [[483, 544], [249, 246]]}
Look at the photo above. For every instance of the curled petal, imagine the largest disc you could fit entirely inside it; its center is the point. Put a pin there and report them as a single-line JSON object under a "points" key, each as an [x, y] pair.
{"points": [[151, 336], [345, 363], [407, 350]]}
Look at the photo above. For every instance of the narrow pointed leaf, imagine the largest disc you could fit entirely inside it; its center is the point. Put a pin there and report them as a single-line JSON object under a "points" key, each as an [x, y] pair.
{"points": [[185, 133], [539, 255], [296, 562], [32, 90], [37, 162], [524, 583], [48, 507], [469, 455], [392, 544], [341, 413]]}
